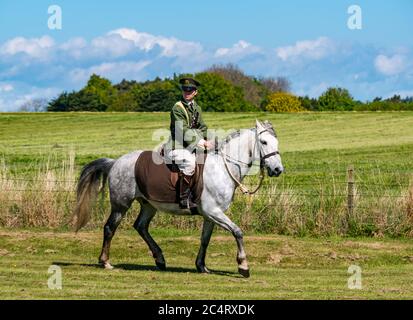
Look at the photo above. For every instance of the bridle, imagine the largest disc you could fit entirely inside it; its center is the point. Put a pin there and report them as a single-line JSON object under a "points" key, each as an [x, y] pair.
{"points": [[268, 155], [243, 187]]}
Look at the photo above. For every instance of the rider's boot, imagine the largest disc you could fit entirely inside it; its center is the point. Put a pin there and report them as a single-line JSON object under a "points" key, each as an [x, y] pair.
{"points": [[185, 196]]}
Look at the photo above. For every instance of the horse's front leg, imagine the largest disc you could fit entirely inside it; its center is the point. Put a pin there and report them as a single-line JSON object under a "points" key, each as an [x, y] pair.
{"points": [[219, 217], [241, 256]]}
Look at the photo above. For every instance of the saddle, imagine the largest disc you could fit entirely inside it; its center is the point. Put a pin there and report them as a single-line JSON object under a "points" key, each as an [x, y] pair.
{"points": [[158, 181]]}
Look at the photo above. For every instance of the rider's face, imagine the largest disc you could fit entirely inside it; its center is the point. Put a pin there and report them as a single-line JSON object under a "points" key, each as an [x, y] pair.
{"points": [[188, 96]]}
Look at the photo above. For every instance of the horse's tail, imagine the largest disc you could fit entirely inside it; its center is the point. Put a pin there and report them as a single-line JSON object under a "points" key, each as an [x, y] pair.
{"points": [[87, 188]]}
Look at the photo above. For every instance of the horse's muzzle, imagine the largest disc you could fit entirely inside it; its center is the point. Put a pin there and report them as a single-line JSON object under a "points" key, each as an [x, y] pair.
{"points": [[274, 173]]}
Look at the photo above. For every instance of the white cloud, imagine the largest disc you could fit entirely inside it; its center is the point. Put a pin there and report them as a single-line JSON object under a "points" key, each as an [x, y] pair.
{"points": [[142, 40], [107, 46], [171, 47], [73, 44], [34, 47], [75, 47], [310, 65], [389, 65], [22, 93], [112, 45], [239, 49], [122, 42], [114, 71], [6, 87], [312, 49]]}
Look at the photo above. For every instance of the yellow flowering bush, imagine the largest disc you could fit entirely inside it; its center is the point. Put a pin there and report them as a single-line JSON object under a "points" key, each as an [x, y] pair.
{"points": [[283, 102]]}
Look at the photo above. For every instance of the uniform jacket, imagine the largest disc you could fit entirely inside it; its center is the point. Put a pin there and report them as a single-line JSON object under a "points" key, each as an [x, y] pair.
{"points": [[187, 126]]}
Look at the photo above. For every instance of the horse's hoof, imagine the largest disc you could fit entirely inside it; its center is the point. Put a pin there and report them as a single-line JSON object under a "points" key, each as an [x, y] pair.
{"points": [[203, 269], [107, 266], [244, 272], [161, 266]]}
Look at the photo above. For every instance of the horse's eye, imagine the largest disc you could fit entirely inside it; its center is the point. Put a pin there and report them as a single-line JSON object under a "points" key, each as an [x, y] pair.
{"points": [[264, 143]]}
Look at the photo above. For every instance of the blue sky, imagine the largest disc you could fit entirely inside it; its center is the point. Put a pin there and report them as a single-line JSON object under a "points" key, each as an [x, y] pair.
{"points": [[308, 42]]}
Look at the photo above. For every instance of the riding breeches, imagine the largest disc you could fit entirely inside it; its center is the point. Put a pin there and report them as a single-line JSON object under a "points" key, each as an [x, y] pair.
{"points": [[184, 159]]}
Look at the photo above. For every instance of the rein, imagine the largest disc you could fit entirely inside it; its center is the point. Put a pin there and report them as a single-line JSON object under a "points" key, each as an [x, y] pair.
{"points": [[242, 186]]}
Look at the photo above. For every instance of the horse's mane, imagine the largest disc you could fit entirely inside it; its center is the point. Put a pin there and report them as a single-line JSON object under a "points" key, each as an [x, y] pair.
{"points": [[231, 136], [266, 124]]}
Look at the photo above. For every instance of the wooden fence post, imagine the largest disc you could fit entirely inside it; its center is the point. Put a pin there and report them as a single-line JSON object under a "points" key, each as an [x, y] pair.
{"points": [[350, 192]]}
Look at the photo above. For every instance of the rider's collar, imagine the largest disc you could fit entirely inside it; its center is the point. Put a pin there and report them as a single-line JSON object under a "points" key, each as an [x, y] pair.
{"points": [[186, 103]]}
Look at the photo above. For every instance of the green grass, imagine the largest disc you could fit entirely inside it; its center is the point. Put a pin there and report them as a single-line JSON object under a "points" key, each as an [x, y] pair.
{"points": [[320, 142], [281, 267], [334, 135], [309, 199]]}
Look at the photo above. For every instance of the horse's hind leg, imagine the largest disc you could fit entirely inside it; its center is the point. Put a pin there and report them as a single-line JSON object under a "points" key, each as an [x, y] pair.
{"points": [[207, 229], [142, 225], [116, 215]]}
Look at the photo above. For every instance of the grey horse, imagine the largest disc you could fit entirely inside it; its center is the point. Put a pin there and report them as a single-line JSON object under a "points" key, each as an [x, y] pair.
{"points": [[223, 173]]}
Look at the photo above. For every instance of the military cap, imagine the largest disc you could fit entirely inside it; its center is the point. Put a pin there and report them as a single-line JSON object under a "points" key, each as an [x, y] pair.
{"points": [[188, 83]]}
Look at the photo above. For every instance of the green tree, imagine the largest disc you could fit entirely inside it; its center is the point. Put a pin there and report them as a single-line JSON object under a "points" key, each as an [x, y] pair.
{"points": [[254, 90], [336, 99], [125, 85], [251, 89], [124, 101], [218, 94], [61, 103], [101, 89], [158, 95], [310, 104], [76, 101], [128, 98]]}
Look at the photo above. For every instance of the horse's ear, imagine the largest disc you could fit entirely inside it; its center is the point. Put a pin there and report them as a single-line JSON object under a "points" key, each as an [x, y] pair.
{"points": [[258, 124], [267, 124]]}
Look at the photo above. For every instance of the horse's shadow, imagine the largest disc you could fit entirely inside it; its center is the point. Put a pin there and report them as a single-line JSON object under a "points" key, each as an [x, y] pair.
{"points": [[140, 267]]}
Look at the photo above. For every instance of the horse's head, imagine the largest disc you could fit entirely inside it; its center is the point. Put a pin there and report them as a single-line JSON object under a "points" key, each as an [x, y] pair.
{"points": [[268, 147]]}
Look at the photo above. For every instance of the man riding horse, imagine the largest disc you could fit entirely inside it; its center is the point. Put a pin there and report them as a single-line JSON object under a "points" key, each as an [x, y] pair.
{"points": [[136, 176], [188, 137]]}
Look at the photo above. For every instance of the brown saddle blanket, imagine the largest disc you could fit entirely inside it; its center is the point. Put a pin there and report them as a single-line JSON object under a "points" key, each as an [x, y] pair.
{"points": [[159, 181]]}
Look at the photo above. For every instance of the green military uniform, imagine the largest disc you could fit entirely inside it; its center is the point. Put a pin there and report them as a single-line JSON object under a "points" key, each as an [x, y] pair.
{"points": [[187, 121], [187, 129]]}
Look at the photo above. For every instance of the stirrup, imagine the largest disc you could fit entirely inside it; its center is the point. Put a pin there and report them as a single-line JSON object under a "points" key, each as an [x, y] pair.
{"points": [[186, 203], [191, 206]]}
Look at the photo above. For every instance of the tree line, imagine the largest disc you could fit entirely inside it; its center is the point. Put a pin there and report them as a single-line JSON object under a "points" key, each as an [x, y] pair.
{"points": [[224, 88]]}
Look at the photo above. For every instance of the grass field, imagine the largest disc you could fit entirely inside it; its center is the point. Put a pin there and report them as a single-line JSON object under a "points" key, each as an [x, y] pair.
{"points": [[332, 138], [41, 156], [281, 267]]}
